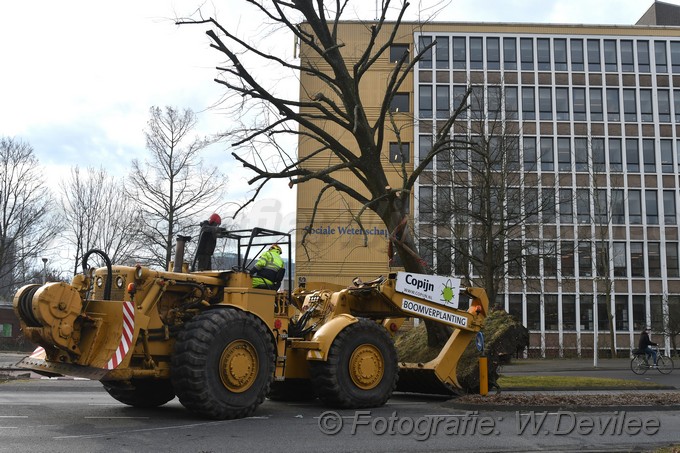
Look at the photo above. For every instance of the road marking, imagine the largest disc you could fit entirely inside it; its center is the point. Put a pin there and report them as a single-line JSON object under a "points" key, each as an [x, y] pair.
{"points": [[106, 418], [113, 433]]}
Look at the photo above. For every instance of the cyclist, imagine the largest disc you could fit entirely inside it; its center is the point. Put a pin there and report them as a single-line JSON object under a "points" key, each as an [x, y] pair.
{"points": [[645, 345]]}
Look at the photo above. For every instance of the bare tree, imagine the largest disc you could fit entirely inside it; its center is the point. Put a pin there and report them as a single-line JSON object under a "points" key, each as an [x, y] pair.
{"points": [[172, 187], [333, 96], [485, 212], [26, 223], [98, 215]]}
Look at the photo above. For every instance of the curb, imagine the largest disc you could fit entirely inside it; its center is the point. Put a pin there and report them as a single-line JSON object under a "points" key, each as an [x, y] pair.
{"points": [[556, 408]]}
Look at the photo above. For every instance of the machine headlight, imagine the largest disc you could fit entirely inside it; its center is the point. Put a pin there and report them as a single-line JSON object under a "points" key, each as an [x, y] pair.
{"points": [[99, 282], [120, 281]]}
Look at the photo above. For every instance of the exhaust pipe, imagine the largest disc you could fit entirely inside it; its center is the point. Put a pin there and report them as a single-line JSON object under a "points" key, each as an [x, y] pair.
{"points": [[179, 252]]}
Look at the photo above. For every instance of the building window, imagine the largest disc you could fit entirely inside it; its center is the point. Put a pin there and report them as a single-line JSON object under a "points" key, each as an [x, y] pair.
{"points": [[615, 156], [637, 260], [509, 53], [442, 52], [629, 105], [602, 313], [627, 63], [669, 212], [400, 103], [459, 53], [562, 104], [675, 56], [515, 306], [618, 207], [649, 155], [566, 209], [511, 103], [567, 258], [425, 61], [632, 155], [548, 207], [424, 101], [532, 259], [598, 155], [529, 151], [576, 54], [601, 207], [533, 312], [643, 56], [494, 97], [531, 204], [493, 53], [425, 205], [634, 207], [610, 63], [543, 54], [547, 154], [656, 312], [581, 154], [660, 56], [560, 50], [639, 313], [595, 104], [583, 205], [545, 103], [586, 309], [526, 49], [568, 312], [580, 104], [672, 266], [652, 207], [646, 112], [459, 92], [666, 156], [425, 249], [664, 99], [676, 104], [399, 153], [551, 313], [443, 101], [476, 53], [444, 256], [613, 107], [529, 103], [564, 154], [654, 259], [602, 259], [6, 330], [621, 312], [424, 148], [399, 51], [620, 259], [594, 55], [477, 102]]}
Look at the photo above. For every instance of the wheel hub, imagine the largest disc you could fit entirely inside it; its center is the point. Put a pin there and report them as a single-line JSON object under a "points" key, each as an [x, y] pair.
{"points": [[366, 366], [238, 366]]}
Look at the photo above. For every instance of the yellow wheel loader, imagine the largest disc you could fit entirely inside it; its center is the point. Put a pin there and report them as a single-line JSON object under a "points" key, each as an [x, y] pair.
{"points": [[221, 346]]}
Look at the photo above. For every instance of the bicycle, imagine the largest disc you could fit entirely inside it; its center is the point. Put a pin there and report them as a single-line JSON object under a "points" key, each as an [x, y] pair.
{"points": [[639, 363]]}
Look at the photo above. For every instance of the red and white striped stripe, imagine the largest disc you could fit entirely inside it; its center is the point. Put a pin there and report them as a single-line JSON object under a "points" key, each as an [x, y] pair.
{"points": [[39, 353], [126, 337]]}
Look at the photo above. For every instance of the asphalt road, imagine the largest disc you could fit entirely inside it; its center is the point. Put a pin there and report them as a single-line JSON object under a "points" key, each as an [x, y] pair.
{"points": [[41, 415]]}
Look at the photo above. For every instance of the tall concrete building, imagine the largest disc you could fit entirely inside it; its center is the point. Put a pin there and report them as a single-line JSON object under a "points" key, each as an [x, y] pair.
{"points": [[586, 121]]}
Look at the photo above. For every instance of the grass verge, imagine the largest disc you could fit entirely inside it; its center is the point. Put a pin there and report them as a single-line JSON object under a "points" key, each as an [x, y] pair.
{"points": [[571, 382]]}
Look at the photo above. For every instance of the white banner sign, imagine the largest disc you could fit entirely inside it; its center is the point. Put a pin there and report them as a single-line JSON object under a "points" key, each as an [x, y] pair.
{"points": [[425, 311], [435, 288]]}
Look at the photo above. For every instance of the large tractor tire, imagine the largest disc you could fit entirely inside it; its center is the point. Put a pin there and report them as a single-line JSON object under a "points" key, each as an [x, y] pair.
{"points": [[143, 393], [223, 364], [361, 370]]}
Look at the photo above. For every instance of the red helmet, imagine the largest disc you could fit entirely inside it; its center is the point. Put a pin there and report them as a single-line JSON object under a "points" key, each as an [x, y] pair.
{"points": [[215, 219]]}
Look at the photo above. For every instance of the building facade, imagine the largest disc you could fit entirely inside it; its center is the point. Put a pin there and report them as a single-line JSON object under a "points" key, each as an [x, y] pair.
{"points": [[585, 123]]}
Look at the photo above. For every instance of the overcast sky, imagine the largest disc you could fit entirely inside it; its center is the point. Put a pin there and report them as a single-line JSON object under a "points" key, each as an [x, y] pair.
{"points": [[78, 76]]}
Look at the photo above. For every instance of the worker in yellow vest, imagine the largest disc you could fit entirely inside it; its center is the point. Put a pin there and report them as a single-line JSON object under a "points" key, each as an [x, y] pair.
{"points": [[268, 270]]}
